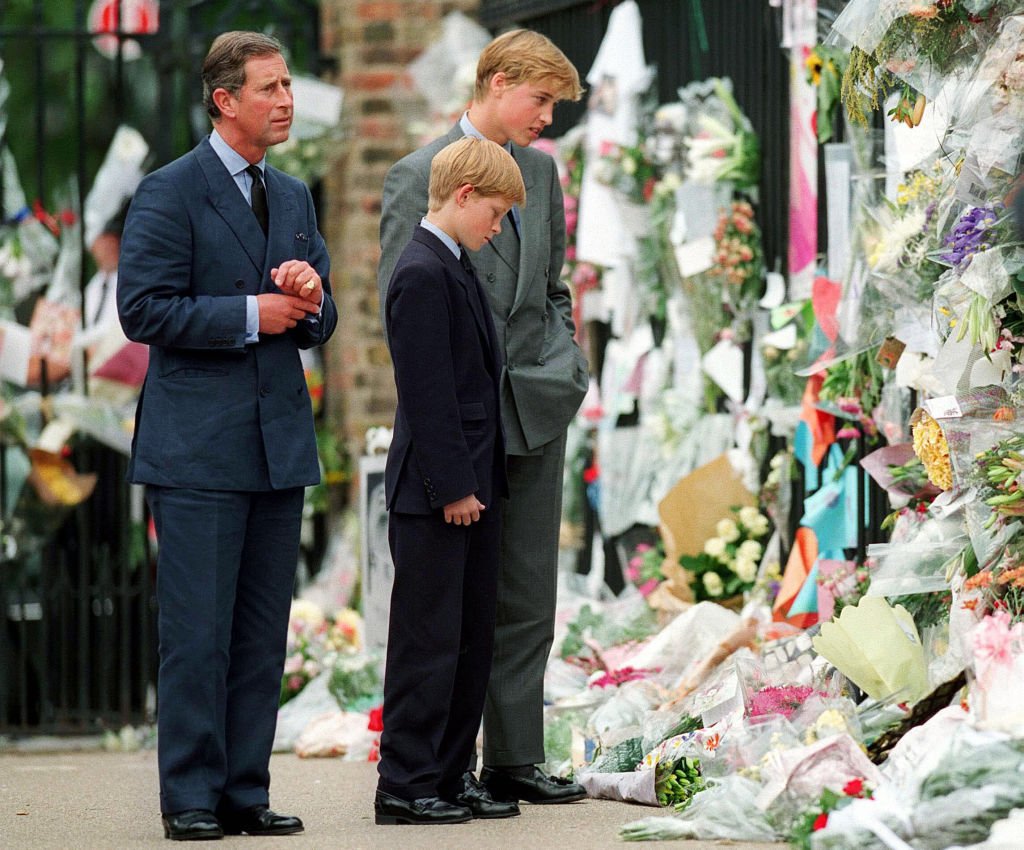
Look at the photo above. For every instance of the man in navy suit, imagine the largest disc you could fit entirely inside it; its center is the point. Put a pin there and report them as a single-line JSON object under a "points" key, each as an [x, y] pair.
{"points": [[444, 478], [224, 274]]}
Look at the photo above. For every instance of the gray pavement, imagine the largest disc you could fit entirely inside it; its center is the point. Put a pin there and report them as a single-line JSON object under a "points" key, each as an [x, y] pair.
{"points": [[98, 800]]}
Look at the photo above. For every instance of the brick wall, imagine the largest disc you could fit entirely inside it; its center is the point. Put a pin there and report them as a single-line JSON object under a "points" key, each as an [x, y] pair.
{"points": [[373, 41]]}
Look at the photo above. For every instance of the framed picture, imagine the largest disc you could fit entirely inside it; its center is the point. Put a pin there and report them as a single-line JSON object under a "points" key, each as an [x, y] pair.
{"points": [[378, 572]]}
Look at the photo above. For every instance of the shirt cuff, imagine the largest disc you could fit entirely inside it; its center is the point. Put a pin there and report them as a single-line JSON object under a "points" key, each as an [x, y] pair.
{"points": [[252, 320]]}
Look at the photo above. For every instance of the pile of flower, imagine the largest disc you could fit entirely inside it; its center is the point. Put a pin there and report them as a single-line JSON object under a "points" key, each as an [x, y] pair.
{"points": [[629, 170], [315, 642], [728, 565]]}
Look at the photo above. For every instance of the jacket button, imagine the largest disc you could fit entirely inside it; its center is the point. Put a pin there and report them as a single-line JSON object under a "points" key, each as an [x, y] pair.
{"points": [[541, 361], [239, 284], [491, 277], [264, 391], [544, 316], [511, 365]]}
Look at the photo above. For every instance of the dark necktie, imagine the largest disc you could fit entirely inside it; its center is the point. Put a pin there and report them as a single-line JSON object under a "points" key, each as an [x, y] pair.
{"points": [[259, 198]]}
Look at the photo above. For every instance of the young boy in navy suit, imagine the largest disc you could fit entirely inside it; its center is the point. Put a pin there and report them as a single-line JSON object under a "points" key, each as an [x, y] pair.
{"points": [[445, 471]]}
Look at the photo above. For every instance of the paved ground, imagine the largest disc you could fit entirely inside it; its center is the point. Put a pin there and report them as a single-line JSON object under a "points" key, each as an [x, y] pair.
{"points": [[98, 800]]}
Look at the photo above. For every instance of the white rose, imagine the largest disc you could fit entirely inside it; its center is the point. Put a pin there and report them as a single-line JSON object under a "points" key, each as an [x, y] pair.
{"points": [[727, 530], [713, 584], [746, 569], [760, 527], [749, 549], [714, 547], [628, 165], [749, 515]]}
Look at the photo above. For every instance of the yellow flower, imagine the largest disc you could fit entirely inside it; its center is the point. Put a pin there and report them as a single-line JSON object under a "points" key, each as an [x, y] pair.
{"points": [[931, 447], [814, 63]]}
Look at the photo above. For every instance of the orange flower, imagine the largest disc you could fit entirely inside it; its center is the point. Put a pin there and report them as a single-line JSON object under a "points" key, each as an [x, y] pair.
{"points": [[1004, 414], [711, 743]]}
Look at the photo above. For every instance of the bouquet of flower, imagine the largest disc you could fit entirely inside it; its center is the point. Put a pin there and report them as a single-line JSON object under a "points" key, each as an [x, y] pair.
{"points": [[931, 447], [738, 262], [723, 146], [676, 782], [816, 818], [728, 565], [315, 641], [644, 567], [629, 170]]}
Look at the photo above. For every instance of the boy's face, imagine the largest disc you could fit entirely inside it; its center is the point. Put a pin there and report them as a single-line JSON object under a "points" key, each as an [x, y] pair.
{"points": [[522, 111], [479, 217]]}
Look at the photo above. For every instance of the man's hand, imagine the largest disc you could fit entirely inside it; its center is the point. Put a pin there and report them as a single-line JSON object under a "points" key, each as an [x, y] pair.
{"points": [[279, 312], [465, 511], [298, 277]]}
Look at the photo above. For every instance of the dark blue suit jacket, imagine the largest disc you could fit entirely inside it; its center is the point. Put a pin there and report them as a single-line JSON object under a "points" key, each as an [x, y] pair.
{"points": [[448, 441], [215, 413]]}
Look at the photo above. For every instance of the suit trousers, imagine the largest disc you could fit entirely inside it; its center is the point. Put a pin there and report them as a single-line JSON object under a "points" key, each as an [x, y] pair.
{"points": [[225, 576], [440, 642], [525, 624]]}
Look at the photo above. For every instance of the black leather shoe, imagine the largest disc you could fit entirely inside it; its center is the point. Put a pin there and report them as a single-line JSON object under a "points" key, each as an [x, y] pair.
{"points": [[260, 820], [389, 810], [530, 784], [475, 797], [192, 825]]}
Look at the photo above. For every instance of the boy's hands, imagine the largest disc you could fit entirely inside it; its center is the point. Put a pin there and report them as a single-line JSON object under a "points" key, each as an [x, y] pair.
{"points": [[465, 511]]}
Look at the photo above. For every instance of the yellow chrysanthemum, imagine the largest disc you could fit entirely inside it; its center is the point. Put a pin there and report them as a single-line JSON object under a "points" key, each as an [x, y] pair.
{"points": [[931, 447]]}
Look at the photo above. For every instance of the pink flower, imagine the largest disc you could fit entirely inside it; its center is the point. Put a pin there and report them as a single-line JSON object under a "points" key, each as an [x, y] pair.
{"points": [[847, 433], [648, 587], [996, 641]]}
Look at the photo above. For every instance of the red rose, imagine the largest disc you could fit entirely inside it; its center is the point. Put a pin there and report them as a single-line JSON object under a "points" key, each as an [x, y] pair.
{"points": [[854, 788], [820, 822]]}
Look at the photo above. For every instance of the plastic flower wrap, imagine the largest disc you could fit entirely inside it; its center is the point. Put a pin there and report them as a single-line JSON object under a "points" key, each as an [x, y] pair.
{"points": [[910, 44], [315, 642], [722, 145], [878, 648], [729, 563], [997, 693]]}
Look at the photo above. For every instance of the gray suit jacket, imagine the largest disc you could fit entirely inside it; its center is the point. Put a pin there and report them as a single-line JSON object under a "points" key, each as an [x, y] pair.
{"points": [[545, 375]]}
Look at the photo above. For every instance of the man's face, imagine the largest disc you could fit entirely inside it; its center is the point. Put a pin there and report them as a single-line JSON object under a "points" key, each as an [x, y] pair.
{"points": [[480, 219], [264, 106], [523, 110]]}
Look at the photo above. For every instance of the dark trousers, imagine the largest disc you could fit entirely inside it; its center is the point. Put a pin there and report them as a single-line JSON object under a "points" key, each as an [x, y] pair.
{"points": [[440, 641], [225, 575], [525, 623]]}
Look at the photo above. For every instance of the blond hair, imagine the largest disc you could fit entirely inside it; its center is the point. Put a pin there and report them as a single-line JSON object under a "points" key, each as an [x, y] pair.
{"points": [[483, 164], [526, 56]]}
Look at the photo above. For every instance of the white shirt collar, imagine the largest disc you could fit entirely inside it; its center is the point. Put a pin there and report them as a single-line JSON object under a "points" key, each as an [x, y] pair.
{"points": [[451, 244], [233, 161]]}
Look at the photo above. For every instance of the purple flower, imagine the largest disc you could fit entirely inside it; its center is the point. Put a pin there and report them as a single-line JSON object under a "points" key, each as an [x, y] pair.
{"points": [[970, 236]]}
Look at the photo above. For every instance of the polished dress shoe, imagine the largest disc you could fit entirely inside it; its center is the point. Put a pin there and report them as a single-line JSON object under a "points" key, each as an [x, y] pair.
{"points": [[388, 809], [260, 820], [531, 784], [475, 797], [192, 825]]}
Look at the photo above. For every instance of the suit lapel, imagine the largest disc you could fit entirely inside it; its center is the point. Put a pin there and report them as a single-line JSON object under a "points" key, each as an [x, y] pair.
{"points": [[284, 224], [223, 194], [531, 220]]}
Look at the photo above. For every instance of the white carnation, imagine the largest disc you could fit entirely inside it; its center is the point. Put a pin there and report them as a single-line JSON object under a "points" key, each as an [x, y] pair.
{"points": [[715, 547]]}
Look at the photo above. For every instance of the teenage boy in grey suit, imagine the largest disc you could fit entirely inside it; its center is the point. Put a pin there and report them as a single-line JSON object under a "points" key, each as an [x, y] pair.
{"points": [[521, 75], [224, 275]]}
